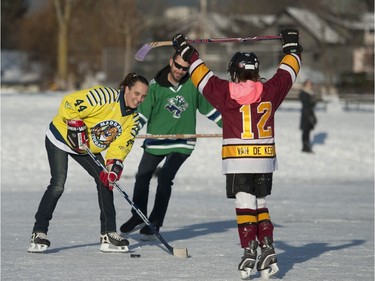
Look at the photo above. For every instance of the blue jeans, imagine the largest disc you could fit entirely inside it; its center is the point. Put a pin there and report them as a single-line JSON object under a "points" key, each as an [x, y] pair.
{"points": [[58, 162], [146, 168]]}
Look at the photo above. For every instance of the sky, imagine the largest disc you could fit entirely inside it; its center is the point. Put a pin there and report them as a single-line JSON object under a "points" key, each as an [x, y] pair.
{"points": [[322, 204]]}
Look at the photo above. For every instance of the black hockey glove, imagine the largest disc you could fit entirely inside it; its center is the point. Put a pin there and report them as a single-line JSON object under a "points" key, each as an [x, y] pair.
{"points": [[290, 41], [183, 48], [77, 134]]}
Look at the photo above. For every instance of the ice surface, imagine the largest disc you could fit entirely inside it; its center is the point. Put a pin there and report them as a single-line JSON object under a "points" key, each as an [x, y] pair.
{"points": [[322, 205]]}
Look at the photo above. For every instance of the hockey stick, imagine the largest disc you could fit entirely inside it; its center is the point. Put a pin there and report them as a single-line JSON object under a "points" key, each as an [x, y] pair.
{"points": [[179, 136], [178, 252], [146, 48]]}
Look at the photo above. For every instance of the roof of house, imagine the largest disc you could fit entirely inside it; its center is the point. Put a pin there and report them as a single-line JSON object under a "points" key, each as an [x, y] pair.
{"points": [[324, 28], [366, 22], [316, 26]]}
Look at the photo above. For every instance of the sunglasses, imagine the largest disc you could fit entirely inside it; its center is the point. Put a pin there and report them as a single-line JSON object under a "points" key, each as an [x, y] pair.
{"points": [[179, 66]]}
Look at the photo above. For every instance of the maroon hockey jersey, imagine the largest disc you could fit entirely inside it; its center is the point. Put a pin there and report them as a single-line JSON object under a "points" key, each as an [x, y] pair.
{"points": [[248, 110]]}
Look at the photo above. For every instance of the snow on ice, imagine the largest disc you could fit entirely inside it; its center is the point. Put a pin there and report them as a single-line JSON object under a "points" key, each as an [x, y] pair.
{"points": [[322, 204]]}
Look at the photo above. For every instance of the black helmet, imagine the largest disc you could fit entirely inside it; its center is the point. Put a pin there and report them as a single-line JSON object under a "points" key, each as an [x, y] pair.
{"points": [[241, 62]]}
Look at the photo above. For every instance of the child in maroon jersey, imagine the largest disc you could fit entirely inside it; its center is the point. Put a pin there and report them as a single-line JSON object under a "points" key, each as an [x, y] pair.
{"points": [[248, 105]]}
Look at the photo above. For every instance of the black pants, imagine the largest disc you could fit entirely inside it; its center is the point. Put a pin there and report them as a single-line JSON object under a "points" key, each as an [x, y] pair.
{"points": [[306, 144], [146, 168], [259, 185], [58, 162]]}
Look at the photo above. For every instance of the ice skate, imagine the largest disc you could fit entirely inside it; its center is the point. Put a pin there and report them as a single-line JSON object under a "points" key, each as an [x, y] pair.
{"points": [[133, 224], [112, 242], [267, 260], [248, 259], [38, 242], [147, 234]]}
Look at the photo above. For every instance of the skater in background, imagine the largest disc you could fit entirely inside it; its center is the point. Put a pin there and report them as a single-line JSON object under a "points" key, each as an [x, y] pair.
{"points": [[308, 118], [248, 105], [170, 108], [103, 118]]}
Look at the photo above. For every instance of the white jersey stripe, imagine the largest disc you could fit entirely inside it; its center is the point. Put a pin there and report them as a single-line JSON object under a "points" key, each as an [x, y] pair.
{"points": [[290, 70], [248, 141]]}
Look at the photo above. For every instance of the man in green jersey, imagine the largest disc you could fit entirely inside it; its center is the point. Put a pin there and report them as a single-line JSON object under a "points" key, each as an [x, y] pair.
{"points": [[170, 108]]}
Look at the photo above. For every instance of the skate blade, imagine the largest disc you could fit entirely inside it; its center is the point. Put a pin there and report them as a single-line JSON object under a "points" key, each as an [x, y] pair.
{"points": [[145, 237], [108, 248], [138, 227], [270, 272], [37, 248], [245, 273]]}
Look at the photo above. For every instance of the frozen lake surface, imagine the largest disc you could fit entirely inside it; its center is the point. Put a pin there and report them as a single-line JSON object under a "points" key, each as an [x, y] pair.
{"points": [[322, 205]]}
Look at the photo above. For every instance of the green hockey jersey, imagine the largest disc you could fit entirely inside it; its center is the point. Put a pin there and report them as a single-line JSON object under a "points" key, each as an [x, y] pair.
{"points": [[173, 110]]}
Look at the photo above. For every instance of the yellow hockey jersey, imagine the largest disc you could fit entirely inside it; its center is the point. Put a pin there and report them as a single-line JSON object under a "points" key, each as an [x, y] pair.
{"points": [[111, 124]]}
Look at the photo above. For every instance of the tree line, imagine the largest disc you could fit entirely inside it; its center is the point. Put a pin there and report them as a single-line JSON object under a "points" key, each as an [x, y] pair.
{"points": [[68, 36]]}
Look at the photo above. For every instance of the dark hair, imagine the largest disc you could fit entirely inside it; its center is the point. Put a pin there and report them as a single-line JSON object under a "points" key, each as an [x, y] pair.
{"points": [[175, 55], [248, 75], [131, 79]]}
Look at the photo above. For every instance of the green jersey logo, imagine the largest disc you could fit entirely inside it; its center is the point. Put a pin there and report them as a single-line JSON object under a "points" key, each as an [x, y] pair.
{"points": [[176, 106]]}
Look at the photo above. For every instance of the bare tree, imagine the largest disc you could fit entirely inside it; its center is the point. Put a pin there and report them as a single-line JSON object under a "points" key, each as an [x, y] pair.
{"points": [[122, 17], [63, 12]]}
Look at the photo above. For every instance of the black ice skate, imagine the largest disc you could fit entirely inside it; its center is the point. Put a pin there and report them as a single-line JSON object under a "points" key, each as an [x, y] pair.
{"points": [[112, 242], [248, 259], [133, 224], [147, 234], [38, 242], [267, 260]]}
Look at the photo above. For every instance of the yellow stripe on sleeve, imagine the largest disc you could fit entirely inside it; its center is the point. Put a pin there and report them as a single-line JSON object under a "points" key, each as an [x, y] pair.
{"points": [[198, 74], [291, 61]]}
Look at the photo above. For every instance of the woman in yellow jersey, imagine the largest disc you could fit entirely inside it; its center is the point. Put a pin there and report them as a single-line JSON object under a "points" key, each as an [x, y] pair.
{"points": [[103, 118]]}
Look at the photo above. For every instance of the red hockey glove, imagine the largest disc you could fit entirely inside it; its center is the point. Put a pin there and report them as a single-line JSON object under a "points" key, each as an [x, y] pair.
{"points": [[186, 51], [114, 168], [77, 134]]}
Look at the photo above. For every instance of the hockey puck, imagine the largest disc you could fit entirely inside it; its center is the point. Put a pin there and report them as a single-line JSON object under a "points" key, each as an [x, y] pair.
{"points": [[135, 255]]}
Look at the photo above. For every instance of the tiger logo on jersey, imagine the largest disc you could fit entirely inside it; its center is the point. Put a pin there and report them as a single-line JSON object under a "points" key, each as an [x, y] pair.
{"points": [[105, 132], [176, 105]]}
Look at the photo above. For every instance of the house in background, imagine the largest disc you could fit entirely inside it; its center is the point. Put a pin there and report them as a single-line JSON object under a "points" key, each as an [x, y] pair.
{"points": [[337, 48], [361, 41], [336, 51]]}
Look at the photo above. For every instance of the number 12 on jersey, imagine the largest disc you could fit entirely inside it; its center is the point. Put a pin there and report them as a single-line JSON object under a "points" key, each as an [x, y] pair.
{"points": [[263, 108]]}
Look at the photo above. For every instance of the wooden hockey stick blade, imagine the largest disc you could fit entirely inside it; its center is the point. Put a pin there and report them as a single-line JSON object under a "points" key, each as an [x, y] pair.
{"points": [[179, 136], [180, 252], [146, 48]]}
